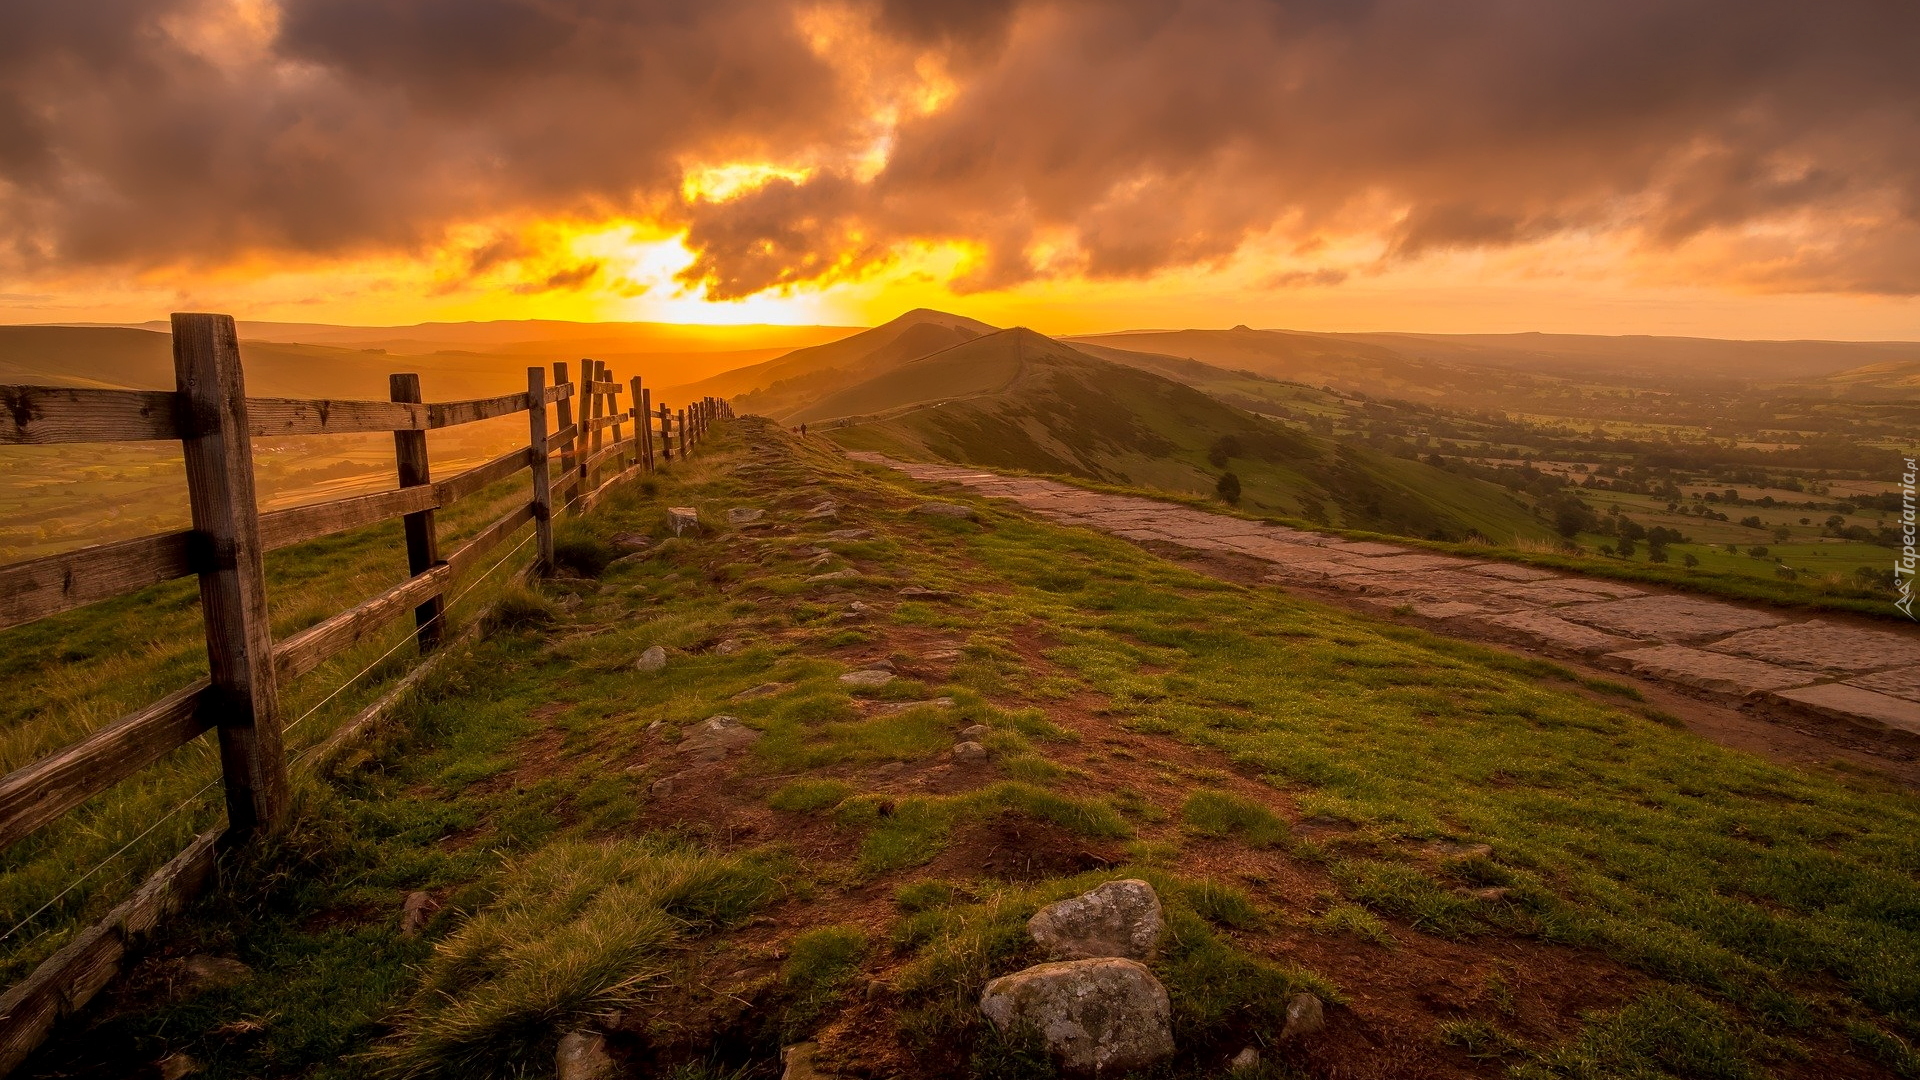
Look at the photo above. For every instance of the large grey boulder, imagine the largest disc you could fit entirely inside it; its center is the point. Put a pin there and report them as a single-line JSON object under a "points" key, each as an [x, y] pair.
{"points": [[1120, 918], [683, 519], [1103, 1017]]}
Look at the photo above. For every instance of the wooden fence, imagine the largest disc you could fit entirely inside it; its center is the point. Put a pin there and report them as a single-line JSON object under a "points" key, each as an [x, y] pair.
{"points": [[598, 443]]}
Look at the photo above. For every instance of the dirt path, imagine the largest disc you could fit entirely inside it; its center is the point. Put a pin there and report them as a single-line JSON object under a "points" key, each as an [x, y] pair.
{"points": [[1791, 688]]}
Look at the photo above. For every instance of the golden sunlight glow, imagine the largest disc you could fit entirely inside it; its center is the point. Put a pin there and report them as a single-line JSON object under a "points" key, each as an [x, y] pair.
{"points": [[719, 183]]}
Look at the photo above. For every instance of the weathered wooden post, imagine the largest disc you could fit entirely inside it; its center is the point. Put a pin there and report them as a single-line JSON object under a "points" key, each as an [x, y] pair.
{"points": [[585, 413], [244, 700], [542, 479], [614, 410], [646, 426], [666, 434], [563, 416], [423, 542], [638, 411], [680, 422]]}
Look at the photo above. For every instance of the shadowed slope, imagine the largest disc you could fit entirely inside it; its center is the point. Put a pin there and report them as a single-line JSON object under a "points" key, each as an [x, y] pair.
{"points": [[1019, 400]]}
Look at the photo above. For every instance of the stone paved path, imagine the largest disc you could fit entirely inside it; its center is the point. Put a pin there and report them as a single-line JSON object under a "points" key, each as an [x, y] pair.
{"points": [[1868, 677]]}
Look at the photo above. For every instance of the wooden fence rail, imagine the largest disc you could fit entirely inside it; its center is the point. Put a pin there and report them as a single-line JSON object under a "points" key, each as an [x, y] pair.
{"points": [[215, 422]]}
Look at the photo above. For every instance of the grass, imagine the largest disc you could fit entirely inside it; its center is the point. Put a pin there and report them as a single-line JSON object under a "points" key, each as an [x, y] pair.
{"points": [[1760, 912], [575, 930], [65, 676], [1219, 814]]}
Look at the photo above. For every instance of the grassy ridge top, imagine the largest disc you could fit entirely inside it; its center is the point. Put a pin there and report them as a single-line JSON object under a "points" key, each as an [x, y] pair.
{"points": [[1485, 865], [1018, 400]]}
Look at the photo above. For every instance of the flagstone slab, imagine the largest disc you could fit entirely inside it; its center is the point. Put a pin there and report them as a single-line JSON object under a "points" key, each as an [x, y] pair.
{"points": [[1900, 682], [1401, 564], [1556, 633], [1549, 593], [1670, 618], [1856, 705], [1428, 609], [1368, 547], [1601, 587], [1514, 572], [1825, 646], [1708, 670]]}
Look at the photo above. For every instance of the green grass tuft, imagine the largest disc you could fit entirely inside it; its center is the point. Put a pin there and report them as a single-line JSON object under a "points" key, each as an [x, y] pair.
{"points": [[1222, 814]]}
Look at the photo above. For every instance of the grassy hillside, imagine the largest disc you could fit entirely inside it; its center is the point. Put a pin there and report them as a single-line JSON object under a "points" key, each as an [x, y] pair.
{"points": [[782, 386], [1485, 867], [1018, 400]]}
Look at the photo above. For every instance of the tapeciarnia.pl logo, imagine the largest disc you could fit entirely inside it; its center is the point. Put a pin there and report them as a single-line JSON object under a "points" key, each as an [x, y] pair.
{"points": [[1903, 567]]}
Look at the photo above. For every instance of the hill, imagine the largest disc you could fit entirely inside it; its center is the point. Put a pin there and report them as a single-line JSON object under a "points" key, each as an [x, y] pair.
{"points": [[783, 386], [1016, 399], [1526, 372], [882, 741]]}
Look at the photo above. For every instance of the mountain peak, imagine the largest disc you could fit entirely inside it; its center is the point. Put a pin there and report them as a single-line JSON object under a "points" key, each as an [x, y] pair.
{"points": [[940, 318]]}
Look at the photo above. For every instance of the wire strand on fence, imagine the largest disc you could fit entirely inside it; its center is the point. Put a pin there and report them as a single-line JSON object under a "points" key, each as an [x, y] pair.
{"points": [[195, 797]]}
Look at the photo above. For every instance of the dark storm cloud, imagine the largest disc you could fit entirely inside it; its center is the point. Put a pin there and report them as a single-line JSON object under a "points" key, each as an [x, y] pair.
{"points": [[1152, 133]]}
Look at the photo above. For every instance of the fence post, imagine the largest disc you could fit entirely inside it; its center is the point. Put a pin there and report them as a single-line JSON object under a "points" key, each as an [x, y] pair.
{"points": [[666, 434], [542, 480], [244, 700], [680, 422], [585, 411], [639, 414], [563, 415], [646, 426], [613, 410], [423, 542]]}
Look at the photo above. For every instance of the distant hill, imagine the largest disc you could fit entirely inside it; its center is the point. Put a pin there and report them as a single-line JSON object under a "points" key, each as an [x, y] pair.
{"points": [[782, 386], [1015, 399], [116, 356], [1516, 371]]}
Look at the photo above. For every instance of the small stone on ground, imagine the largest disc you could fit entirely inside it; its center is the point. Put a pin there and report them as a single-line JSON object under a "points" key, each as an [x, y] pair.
{"points": [[653, 659], [1121, 918]]}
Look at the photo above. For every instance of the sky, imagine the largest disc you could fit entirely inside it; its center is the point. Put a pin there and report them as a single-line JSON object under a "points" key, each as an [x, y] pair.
{"points": [[1730, 168]]}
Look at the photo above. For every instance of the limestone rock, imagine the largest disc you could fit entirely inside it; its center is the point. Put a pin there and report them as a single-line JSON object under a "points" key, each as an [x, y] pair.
{"points": [[892, 707], [1305, 1015], [968, 751], [744, 515], [837, 575], [850, 534], [716, 737], [683, 519], [765, 689], [653, 659], [583, 1056], [976, 732], [920, 592], [1121, 918], [868, 677], [1246, 1060], [633, 542], [825, 509], [1105, 1016], [414, 914], [728, 647]]}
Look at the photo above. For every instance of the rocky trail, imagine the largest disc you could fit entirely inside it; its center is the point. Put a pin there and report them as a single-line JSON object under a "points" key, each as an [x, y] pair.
{"points": [[1797, 688]]}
